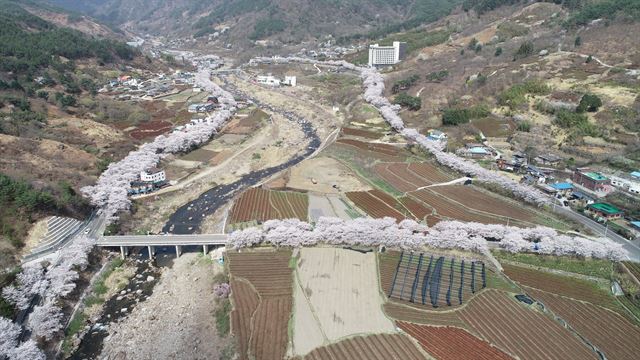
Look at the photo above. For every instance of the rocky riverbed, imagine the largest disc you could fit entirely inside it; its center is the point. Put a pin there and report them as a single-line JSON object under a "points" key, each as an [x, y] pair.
{"points": [[176, 321]]}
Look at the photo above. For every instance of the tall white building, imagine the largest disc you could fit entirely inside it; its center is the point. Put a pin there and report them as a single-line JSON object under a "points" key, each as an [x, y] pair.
{"points": [[387, 55]]}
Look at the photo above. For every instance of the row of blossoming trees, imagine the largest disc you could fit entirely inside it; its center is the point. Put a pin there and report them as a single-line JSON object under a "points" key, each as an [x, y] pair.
{"points": [[409, 235], [45, 288]]}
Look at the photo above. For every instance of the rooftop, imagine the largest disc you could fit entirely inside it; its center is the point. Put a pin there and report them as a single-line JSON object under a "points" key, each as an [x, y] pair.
{"points": [[635, 224], [562, 186], [635, 174], [605, 208], [595, 176]]}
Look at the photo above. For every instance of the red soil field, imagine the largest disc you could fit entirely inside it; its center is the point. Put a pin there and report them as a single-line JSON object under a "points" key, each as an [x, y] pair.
{"points": [[562, 285], [610, 332], [151, 129], [411, 314], [261, 205], [452, 210], [477, 200], [379, 347], [417, 209], [245, 302], [360, 132], [373, 206], [448, 343], [520, 331], [271, 277]]}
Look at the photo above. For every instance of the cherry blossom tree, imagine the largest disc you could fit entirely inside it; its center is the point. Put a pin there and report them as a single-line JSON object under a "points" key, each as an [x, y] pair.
{"points": [[45, 321], [222, 290], [9, 333], [27, 350], [29, 283]]}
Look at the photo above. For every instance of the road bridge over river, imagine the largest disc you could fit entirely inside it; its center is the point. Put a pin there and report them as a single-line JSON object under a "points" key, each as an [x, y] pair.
{"points": [[124, 242]]}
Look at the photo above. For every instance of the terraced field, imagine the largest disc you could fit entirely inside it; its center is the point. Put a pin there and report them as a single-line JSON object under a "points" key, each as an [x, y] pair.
{"points": [[520, 331], [387, 347], [452, 210], [262, 309], [410, 176], [480, 201], [411, 314], [563, 285], [257, 204], [374, 206], [449, 343], [610, 332]]}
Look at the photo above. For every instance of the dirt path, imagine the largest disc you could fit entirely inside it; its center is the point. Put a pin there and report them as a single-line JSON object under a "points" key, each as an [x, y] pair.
{"points": [[176, 322]]}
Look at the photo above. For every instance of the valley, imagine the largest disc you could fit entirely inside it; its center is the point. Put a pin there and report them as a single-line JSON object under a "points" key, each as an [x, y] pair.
{"points": [[483, 177]]}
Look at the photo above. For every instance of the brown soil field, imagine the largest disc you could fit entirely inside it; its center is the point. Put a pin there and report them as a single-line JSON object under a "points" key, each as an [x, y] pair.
{"points": [[610, 332], [257, 204], [453, 210], [408, 177], [202, 155], [373, 206], [151, 129], [519, 330], [493, 127], [403, 279], [478, 200], [270, 322], [245, 302], [270, 275], [411, 314], [448, 343], [387, 347], [361, 133], [360, 150], [578, 289], [381, 148], [417, 209]]}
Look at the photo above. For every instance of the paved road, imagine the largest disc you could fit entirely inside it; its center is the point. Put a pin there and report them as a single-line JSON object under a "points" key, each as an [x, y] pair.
{"points": [[631, 246], [163, 240]]}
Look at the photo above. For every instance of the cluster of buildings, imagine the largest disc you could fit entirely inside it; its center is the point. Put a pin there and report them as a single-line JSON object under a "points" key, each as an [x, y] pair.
{"points": [[148, 182], [127, 87], [271, 80]]}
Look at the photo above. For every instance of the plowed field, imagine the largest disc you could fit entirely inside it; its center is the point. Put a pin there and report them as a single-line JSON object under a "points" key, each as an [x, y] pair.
{"points": [[363, 150], [410, 314], [608, 331], [408, 177], [634, 269], [257, 204], [373, 206], [362, 133], [563, 285], [417, 209], [383, 347], [447, 343], [477, 200], [245, 302], [452, 210], [380, 148], [261, 330], [521, 331]]}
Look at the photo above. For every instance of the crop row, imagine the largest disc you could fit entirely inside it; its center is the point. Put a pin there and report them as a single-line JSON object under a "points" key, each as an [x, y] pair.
{"points": [[381, 346], [373, 206], [257, 204]]}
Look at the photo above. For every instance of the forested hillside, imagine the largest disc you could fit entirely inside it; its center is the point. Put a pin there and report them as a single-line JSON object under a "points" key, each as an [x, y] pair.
{"points": [[47, 73]]}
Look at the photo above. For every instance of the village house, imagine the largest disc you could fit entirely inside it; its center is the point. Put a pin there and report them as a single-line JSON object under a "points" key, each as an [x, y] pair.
{"points": [[268, 80], [580, 199], [548, 160], [591, 180], [603, 211], [626, 183], [437, 135], [563, 188], [154, 175]]}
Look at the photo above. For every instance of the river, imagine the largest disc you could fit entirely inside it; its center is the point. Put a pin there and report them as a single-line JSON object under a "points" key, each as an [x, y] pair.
{"points": [[188, 218]]}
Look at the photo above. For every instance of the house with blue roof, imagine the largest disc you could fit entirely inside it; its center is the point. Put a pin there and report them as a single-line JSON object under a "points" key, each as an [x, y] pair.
{"points": [[635, 174]]}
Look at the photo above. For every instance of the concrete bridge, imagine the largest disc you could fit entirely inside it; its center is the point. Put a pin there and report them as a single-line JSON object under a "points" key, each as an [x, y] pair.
{"points": [[151, 241]]}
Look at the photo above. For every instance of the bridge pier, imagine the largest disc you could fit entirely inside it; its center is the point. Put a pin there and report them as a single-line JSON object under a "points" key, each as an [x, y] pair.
{"points": [[124, 251], [178, 250], [205, 249], [152, 251]]}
